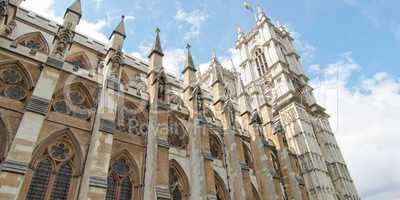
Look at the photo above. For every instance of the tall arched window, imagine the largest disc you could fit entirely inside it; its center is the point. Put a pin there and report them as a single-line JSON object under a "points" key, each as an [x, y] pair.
{"points": [[56, 167], [261, 62], [220, 188], [216, 147], [177, 134], [178, 182], [122, 178], [3, 141], [15, 81]]}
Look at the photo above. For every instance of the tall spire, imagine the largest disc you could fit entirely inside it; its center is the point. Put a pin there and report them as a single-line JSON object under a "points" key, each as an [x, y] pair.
{"points": [[216, 68], [76, 8], [120, 29], [157, 44], [189, 59]]}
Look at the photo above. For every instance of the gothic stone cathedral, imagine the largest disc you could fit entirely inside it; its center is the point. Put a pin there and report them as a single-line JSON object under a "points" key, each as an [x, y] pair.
{"points": [[83, 120]]}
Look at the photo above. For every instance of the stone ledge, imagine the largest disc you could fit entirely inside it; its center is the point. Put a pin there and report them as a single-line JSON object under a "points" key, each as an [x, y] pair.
{"points": [[38, 105], [14, 167], [98, 182], [163, 193], [107, 126], [163, 143]]}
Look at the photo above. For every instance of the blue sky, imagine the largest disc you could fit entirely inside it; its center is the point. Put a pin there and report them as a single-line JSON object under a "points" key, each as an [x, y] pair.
{"points": [[360, 39]]}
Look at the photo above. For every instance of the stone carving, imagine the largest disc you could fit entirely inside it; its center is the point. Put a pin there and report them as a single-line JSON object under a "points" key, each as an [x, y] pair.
{"points": [[197, 94], [74, 104], [130, 121], [161, 86], [116, 62], [10, 27], [229, 108], [278, 127], [255, 117], [60, 151], [64, 39], [3, 9], [13, 85]]}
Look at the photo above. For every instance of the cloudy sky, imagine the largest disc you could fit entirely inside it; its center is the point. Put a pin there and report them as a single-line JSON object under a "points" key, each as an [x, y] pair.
{"points": [[350, 49]]}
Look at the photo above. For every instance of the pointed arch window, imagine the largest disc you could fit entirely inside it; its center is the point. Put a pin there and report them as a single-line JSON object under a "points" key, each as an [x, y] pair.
{"points": [[178, 182], [3, 141], [55, 169], [15, 81], [220, 188], [75, 101], [177, 135], [248, 157], [261, 62], [34, 41], [79, 60], [216, 148], [277, 168], [120, 180], [131, 119]]}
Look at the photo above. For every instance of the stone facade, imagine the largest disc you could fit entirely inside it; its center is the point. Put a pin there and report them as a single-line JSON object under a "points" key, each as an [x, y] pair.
{"points": [[83, 120]]}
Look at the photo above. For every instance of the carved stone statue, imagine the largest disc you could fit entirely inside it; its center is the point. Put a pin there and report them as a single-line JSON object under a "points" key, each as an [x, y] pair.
{"points": [[255, 117], [64, 39], [3, 8], [161, 86], [198, 95], [229, 108], [116, 62]]}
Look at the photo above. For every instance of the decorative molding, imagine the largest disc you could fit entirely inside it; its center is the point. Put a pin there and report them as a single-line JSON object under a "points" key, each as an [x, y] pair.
{"points": [[113, 84], [211, 197], [54, 62], [14, 167], [98, 182], [107, 126], [163, 193], [208, 156], [163, 143], [38, 105]]}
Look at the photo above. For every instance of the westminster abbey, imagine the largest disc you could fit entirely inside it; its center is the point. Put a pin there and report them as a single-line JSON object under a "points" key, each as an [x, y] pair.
{"points": [[80, 119]]}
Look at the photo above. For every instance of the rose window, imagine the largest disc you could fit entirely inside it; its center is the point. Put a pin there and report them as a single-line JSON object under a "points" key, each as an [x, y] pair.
{"points": [[60, 151], [11, 76], [15, 92]]}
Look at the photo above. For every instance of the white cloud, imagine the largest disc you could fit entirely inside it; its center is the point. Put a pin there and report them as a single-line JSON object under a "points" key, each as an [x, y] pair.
{"points": [[98, 3], [194, 19], [88, 28], [305, 48], [365, 118], [174, 60], [93, 29]]}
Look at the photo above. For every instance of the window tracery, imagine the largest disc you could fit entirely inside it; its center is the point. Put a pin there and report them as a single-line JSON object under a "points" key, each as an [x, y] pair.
{"points": [[177, 136], [74, 101], [80, 60], [55, 165], [131, 120], [216, 147], [261, 62], [34, 41], [121, 179], [14, 84], [178, 182]]}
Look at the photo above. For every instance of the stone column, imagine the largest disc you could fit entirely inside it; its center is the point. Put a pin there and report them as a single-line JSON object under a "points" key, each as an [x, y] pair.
{"points": [[16, 163], [263, 169], [302, 141]]}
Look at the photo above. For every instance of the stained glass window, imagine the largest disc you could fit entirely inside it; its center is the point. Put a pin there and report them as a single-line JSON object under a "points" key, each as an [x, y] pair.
{"points": [[126, 189], [119, 184], [110, 195], [62, 183], [40, 181]]}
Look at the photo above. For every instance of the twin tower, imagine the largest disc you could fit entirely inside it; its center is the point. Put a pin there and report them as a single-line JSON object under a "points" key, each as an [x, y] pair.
{"points": [[83, 120]]}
